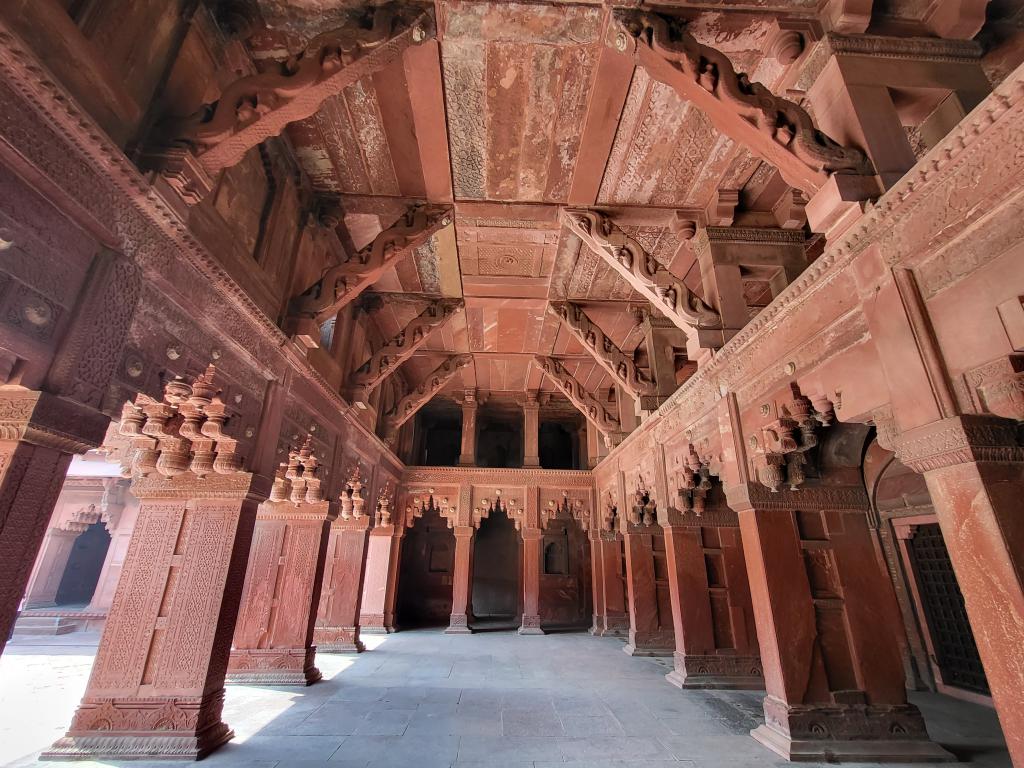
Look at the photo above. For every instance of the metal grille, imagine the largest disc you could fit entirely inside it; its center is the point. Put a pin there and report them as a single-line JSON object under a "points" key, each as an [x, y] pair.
{"points": [[952, 638]]}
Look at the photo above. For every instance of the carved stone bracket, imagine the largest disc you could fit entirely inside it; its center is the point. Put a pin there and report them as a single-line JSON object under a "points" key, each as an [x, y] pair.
{"points": [[782, 452], [692, 481], [775, 129], [49, 421], [182, 432], [584, 401], [644, 509], [401, 346], [257, 107], [298, 479], [341, 284], [407, 407], [382, 515], [352, 501], [627, 257], [616, 362]]}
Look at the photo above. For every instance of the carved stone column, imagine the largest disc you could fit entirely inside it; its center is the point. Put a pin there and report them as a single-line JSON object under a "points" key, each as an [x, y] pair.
{"points": [[531, 431], [650, 620], [462, 582], [273, 642], [470, 405], [337, 623], [531, 582], [974, 468], [827, 622], [377, 612]]}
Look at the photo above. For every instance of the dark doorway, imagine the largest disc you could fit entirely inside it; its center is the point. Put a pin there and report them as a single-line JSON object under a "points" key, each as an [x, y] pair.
{"points": [[496, 559], [82, 573], [499, 444], [425, 573], [441, 440], [555, 445]]}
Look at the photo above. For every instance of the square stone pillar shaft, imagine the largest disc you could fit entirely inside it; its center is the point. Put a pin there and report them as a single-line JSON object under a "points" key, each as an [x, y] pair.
{"points": [[607, 552], [596, 582], [49, 568], [462, 582], [531, 432], [157, 685], [650, 632], [273, 642], [827, 623], [377, 613], [710, 654], [532, 538], [337, 623], [467, 456]]}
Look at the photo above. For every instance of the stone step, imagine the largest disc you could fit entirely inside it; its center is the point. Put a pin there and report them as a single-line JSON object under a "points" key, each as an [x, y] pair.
{"points": [[29, 626]]}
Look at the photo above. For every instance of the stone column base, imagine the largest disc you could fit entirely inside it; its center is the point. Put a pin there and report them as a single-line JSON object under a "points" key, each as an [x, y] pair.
{"points": [[633, 650], [273, 666], [852, 733], [338, 640], [655, 643], [458, 624], [530, 626], [157, 728], [719, 671], [374, 624]]}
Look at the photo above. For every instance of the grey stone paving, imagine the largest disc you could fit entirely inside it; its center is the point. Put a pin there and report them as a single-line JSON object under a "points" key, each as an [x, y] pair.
{"points": [[428, 700]]}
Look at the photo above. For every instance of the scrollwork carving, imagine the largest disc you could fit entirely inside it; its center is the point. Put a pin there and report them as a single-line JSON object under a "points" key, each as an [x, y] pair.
{"points": [[407, 407], [584, 401]]}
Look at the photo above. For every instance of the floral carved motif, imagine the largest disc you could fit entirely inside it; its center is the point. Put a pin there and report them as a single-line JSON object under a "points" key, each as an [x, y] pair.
{"points": [[585, 402], [407, 407], [603, 349], [627, 257]]}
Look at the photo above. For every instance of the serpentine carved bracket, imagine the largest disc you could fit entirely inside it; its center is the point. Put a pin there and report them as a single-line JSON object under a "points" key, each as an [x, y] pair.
{"points": [[407, 407], [774, 128], [585, 402]]}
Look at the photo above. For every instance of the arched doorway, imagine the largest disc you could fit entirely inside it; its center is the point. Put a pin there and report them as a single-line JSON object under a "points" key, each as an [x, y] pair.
{"points": [[425, 572], [497, 556], [85, 562]]}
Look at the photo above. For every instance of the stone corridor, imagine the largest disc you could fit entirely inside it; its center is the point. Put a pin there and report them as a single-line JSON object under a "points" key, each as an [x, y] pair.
{"points": [[428, 700]]}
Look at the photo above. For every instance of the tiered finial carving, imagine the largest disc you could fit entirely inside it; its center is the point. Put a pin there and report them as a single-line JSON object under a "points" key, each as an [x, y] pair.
{"points": [[400, 347], [610, 514], [384, 499], [644, 509], [352, 500], [297, 480], [341, 284], [604, 350], [407, 407], [693, 481], [257, 107], [785, 442], [182, 432], [672, 55], [627, 257], [584, 401]]}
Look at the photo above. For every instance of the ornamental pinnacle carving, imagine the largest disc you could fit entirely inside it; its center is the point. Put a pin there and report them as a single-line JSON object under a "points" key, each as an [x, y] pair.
{"points": [[627, 257], [777, 130], [182, 432], [352, 500], [297, 480], [257, 107], [400, 347], [787, 441], [584, 401], [341, 284], [618, 364], [693, 481], [382, 516], [407, 407]]}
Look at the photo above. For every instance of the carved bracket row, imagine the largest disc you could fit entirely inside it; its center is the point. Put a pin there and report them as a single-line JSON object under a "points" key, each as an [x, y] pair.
{"points": [[584, 401]]}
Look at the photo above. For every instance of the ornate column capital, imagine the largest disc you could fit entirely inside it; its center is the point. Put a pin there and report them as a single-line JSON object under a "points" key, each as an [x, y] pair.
{"points": [[49, 421], [960, 440]]}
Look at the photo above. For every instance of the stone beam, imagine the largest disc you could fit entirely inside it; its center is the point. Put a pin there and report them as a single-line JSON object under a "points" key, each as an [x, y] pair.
{"points": [[407, 407], [585, 402], [343, 283], [399, 348], [257, 107], [654, 282], [617, 363], [775, 129]]}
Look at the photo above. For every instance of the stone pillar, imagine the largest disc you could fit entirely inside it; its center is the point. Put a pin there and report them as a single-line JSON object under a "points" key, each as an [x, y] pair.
{"points": [[531, 431], [40, 433], [337, 624], [377, 612], [606, 550], [827, 624], [650, 632], [157, 685], [627, 414], [273, 641], [714, 649], [662, 338], [531, 582], [581, 442], [49, 568], [120, 540], [462, 582], [470, 405], [596, 582], [596, 448], [974, 469]]}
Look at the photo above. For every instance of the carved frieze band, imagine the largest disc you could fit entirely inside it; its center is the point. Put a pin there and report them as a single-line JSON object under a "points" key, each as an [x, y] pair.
{"points": [[584, 401], [960, 440]]}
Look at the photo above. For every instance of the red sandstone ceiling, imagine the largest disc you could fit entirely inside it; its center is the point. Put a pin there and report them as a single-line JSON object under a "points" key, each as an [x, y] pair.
{"points": [[520, 108]]}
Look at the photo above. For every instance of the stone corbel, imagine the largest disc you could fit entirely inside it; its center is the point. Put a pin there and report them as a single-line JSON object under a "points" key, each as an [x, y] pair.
{"points": [[257, 107], [409, 405], [783, 452], [352, 501], [617, 363], [382, 514], [400, 348], [341, 284], [773, 128], [609, 514], [651, 280], [585, 402], [298, 479], [693, 481], [644, 509]]}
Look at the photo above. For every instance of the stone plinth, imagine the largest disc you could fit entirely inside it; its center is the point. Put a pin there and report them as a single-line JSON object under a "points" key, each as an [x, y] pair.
{"points": [[650, 627], [337, 622]]}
